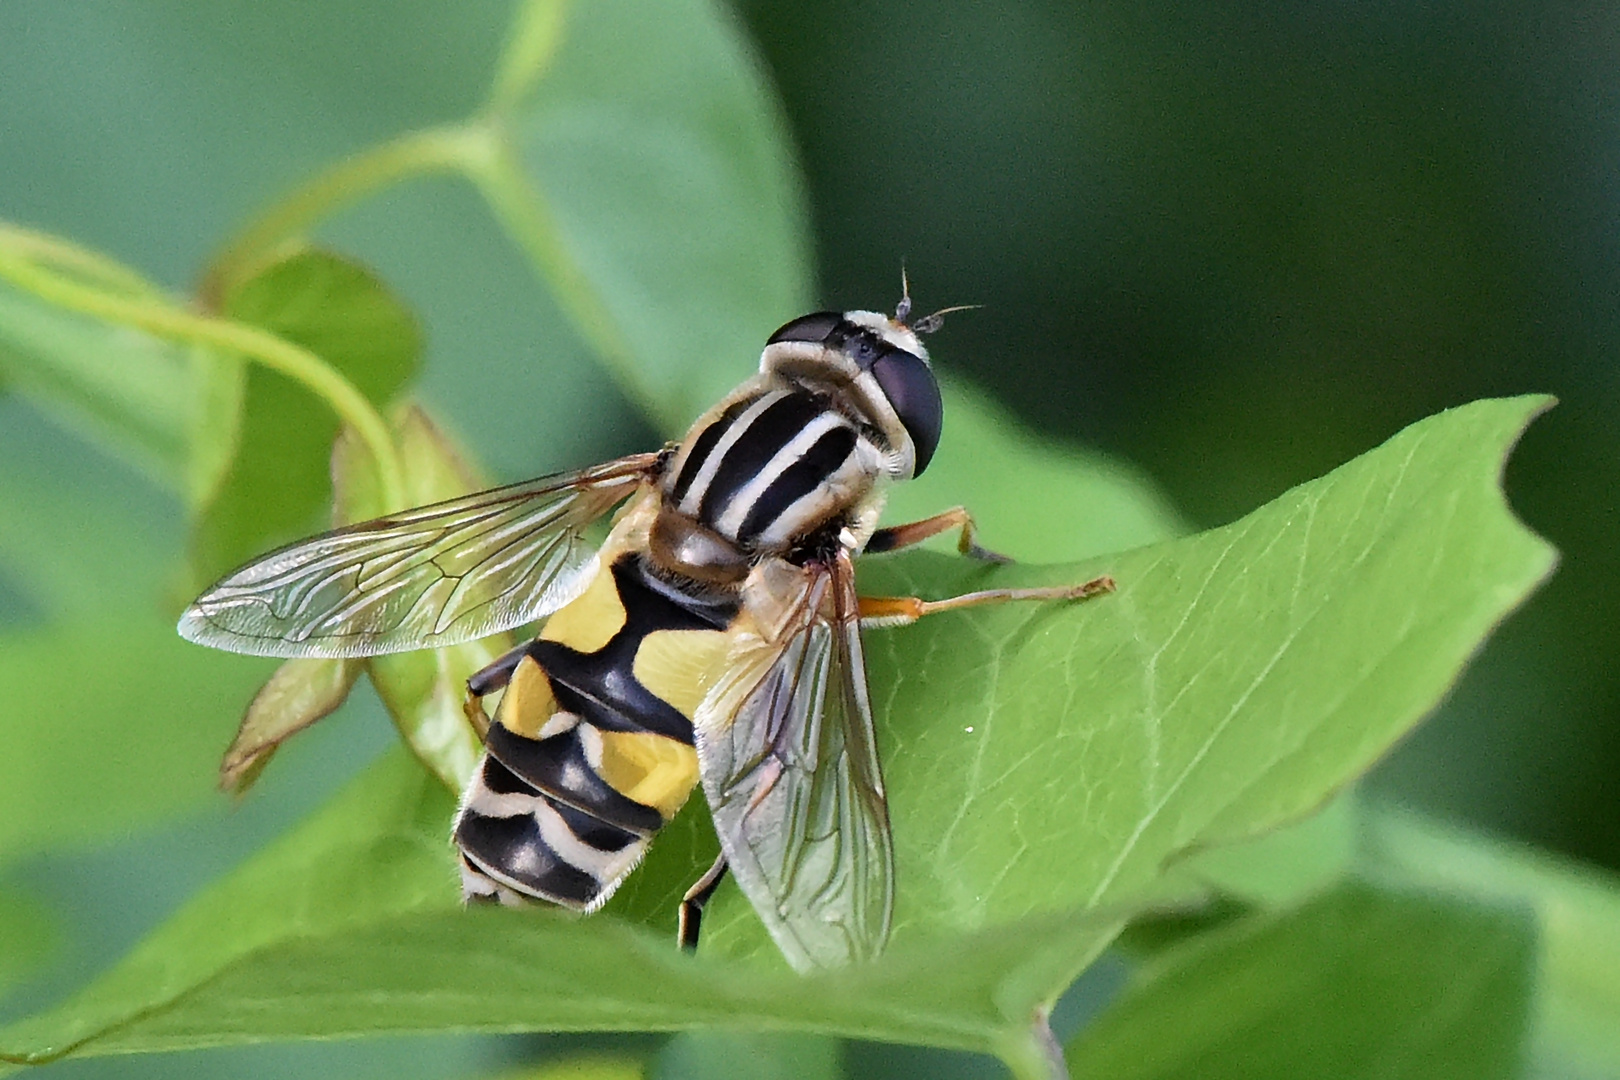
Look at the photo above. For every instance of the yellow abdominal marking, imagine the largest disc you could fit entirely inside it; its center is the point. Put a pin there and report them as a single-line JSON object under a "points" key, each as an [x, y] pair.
{"points": [[679, 666], [528, 702], [589, 621], [652, 769]]}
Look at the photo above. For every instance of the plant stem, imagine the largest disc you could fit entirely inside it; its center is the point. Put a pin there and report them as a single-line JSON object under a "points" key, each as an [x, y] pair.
{"points": [[1034, 1053], [42, 247], [157, 317], [417, 153], [528, 221], [531, 44], [478, 150]]}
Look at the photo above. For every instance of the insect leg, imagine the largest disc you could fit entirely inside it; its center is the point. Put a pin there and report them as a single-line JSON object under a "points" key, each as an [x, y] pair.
{"points": [[492, 677], [692, 904], [905, 610], [899, 536], [487, 680]]}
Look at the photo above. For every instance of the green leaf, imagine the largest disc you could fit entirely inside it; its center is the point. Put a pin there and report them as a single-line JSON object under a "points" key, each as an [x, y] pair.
{"points": [[1357, 983], [379, 850], [424, 691], [28, 936], [583, 1067], [97, 678], [725, 1055], [1285, 865], [132, 393], [1044, 763], [219, 389], [1235, 680], [350, 925], [82, 551], [644, 170], [435, 468], [109, 726], [301, 692], [171, 409], [1577, 999], [277, 487]]}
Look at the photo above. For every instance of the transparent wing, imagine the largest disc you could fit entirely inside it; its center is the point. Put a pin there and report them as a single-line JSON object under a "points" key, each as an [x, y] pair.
{"points": [[790, 768], [437, 575]]}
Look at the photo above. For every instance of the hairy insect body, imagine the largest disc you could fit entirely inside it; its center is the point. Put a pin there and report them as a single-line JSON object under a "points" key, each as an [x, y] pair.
{"points": [[591, 751]]}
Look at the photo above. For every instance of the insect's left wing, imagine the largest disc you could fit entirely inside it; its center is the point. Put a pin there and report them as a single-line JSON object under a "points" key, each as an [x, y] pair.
{"points": [[437, 575], [789, 764]]}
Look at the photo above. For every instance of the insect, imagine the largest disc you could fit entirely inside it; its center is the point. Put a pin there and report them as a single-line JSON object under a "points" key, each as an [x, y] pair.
{"points": [[714, 638]]}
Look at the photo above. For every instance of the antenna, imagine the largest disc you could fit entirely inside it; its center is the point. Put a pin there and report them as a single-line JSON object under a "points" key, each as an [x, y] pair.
{"points": [[928, 323]]}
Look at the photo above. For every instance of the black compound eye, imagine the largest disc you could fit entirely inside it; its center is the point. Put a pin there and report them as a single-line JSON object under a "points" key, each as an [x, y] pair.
{"points": [[813, 328], [909, 384]]}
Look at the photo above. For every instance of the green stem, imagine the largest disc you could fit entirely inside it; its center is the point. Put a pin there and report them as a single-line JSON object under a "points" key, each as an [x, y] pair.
{"points": [[523, 211], [296, 363], [415, 154], [1034, 1053], [531, 45], [38, 247]]}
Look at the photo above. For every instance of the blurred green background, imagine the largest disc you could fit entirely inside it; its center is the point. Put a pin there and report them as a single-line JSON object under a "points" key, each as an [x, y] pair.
{"points": [[1235, 244]]}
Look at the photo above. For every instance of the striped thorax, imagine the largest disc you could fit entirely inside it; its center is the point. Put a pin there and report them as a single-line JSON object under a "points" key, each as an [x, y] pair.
{"points": [[804, 447]]}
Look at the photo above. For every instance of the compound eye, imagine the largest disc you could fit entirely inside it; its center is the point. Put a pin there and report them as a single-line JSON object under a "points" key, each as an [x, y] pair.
{"points": [[813, 328], [909, 384]]}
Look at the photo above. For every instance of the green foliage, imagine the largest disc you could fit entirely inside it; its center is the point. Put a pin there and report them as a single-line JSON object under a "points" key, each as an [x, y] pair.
{"points": [[133, 391], [100, 665], [590, 1067], [1054, 770], [278, 486], [28, 935], [1034, 500], [1359, 982], [643, 169], [139, 671], [424, 690], [1577, 976], [1235, 680], [717, 1055], [1281, 866], [300, 692]]}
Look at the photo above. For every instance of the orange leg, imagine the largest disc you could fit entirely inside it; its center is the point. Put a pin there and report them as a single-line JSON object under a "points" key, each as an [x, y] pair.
{"points": [[896, 537], [905, 610]]}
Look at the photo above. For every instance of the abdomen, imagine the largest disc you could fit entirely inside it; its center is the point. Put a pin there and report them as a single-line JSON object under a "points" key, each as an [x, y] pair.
{"points": [[590, 750]]}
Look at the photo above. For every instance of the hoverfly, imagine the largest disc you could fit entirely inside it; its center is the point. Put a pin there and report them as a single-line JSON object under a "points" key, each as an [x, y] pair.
{"points": [[713, 638]]}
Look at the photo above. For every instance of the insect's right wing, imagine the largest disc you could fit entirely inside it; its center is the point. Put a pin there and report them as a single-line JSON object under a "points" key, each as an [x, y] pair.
{"points": [[437, 575], [789, 765]]}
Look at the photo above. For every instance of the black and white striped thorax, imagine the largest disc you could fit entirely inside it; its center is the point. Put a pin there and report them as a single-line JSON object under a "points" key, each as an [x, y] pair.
{"points": [[771, 467]]}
